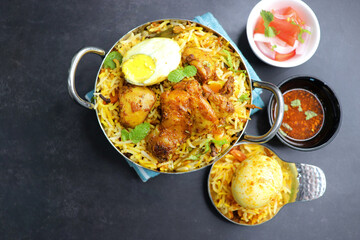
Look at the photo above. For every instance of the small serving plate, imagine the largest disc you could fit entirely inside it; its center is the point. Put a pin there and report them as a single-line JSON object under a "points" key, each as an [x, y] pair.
{"points": [[308, 183], [331, 107]]}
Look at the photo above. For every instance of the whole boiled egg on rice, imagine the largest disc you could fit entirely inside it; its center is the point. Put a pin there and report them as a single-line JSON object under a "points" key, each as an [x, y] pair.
{"points": [[256, 181], [150, 61]]}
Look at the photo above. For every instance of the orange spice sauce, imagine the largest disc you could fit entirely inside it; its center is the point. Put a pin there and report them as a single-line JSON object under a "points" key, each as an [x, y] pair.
{"points": [[303, 115]]}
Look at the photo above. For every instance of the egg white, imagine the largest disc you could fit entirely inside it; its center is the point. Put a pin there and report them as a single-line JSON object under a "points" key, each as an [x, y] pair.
{"points": [[166, 54]]}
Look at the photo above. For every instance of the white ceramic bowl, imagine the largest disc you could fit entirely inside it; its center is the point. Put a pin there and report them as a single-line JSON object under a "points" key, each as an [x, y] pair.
{"points": [[305, 13]]}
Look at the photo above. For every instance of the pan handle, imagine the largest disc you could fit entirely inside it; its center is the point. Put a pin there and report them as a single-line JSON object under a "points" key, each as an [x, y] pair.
{"points": [[71, 80], [279, 112]]}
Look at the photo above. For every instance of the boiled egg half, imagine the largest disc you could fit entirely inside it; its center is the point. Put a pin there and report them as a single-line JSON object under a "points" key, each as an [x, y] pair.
{"points": [[150, 61], [256, 182]]}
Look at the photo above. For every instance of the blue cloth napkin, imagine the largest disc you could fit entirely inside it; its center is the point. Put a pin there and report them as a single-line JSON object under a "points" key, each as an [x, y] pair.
{"points": [[208, 20]]}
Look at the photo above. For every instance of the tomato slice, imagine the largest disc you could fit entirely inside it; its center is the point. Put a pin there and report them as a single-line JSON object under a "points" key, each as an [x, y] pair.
{"points": [[259, 27], [283, 57], [286, 31], [289, 11]]}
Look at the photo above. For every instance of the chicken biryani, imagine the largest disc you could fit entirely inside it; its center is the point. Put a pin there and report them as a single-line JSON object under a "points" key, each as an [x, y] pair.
{"points": [[172, 96]]}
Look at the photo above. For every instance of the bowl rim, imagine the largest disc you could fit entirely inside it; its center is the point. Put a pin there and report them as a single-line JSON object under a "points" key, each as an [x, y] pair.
{"points": [[335, 98], [283, 64]]}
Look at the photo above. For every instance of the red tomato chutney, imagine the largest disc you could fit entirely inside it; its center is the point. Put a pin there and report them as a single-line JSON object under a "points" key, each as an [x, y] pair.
{"points": [[303, 115]]}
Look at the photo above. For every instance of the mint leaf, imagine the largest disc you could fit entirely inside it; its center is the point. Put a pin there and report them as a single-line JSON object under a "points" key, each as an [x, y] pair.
{"points": [[282, 132], [220, 142], [190, 71], [305, 30], [124, 135], [193, 157], [228, 59], [230, 64], [300, 39], [287, 126], [286, 107], [267, 16], [295, 103], [109, 63], [310, 114], [176, 76], [139, 132], [206, 147], [244, 97], [302, 30], [270, 32], [179, 74]]}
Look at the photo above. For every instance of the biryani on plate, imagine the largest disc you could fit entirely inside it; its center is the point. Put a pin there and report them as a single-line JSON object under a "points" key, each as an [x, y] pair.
{"points": [[173, 96], [250, 184]]}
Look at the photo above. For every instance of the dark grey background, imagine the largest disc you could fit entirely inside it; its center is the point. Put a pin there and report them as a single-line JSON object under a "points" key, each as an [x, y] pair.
{"points": [[61, 179]]}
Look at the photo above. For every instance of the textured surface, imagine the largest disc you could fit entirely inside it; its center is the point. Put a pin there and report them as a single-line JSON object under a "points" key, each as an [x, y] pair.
{"points": [[61, 179], [312, 182]]}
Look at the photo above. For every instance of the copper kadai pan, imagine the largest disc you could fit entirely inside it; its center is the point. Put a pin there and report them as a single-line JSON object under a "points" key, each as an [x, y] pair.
{"points": [[252, 83]]}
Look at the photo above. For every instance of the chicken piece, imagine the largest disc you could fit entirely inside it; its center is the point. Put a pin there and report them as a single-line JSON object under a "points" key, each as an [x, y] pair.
{"points": [[202, 61], [222, 106], [135, 103], [228, 89], [206, 91], [175, 126], [203, 115]]}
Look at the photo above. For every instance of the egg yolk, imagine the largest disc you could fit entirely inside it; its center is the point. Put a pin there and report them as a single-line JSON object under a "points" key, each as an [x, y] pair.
{"points": [[138, 68], [256, 182]]}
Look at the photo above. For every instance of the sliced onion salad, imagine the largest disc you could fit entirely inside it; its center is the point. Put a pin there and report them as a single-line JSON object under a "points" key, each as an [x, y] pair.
{"points": [[281, 46], [273, 47], [302, 47]]}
